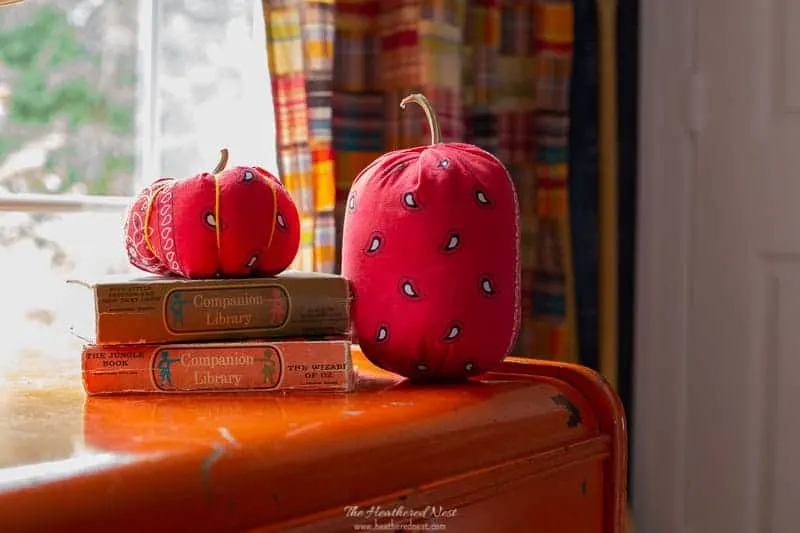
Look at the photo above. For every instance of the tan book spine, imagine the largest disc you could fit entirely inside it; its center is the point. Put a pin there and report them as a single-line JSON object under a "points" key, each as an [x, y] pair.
{"points": [[168, 310]]}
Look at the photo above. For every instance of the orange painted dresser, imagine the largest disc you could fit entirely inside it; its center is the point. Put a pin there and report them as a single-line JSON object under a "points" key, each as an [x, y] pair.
{"points": [[534, 447]]}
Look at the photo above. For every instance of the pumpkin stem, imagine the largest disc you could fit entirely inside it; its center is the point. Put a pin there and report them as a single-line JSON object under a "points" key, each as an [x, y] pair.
{"points": [[433, 121], [223, 161]]}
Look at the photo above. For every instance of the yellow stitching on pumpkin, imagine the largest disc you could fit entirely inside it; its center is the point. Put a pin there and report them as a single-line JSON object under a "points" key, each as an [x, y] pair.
{"points": [[151, 200], [216, 211]]}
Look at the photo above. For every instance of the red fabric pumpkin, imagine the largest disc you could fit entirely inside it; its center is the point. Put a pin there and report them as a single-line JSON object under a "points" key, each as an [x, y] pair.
{"points": [[431, 247], [236, 222]]}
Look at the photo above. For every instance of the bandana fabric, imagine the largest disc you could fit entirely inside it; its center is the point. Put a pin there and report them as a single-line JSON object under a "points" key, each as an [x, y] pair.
{"points": [[431, 247], [235, 223]]}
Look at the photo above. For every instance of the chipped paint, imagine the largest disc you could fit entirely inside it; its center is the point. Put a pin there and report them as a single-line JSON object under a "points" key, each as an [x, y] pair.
{"points": [[217, 452], [575, 417]]}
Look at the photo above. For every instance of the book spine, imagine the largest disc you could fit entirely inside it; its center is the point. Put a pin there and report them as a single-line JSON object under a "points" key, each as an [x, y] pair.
{"points": [[157, 313], [218, 367]]}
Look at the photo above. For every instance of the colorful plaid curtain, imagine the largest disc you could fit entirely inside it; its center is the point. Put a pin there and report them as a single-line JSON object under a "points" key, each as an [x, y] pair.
{"points": [[498, 74], [300, 57]]}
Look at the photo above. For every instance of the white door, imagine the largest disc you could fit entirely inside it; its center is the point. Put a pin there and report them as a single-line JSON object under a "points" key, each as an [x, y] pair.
{"points": [[717, 441]]}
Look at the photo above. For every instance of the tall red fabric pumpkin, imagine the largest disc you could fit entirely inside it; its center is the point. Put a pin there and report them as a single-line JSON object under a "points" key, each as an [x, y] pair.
{"points": [[431, 247], [229, 223]]}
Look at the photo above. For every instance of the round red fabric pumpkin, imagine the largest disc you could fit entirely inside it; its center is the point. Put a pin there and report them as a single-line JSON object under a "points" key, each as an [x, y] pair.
{"points": [[431, 247], [229, 223]]}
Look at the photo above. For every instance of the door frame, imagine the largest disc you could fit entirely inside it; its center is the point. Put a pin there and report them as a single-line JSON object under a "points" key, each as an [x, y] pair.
{"points": [[664, 220]]}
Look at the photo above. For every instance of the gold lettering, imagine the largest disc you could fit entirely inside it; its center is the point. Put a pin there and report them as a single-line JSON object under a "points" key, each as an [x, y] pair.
{"points": [[213, 361], [201, 301], [221, 319], [205, 377]]}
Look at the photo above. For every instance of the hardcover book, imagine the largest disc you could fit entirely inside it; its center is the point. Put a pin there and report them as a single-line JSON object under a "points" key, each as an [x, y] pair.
{"points": [[156, 309], [309, 365]]}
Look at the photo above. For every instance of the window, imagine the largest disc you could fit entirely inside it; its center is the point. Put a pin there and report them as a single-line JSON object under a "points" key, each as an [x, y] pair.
{"points": [[98, 98]]}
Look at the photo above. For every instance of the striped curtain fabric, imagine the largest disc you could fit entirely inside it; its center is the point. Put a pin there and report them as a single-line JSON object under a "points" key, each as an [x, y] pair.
{"points": [[498, 73], [300, 57]]}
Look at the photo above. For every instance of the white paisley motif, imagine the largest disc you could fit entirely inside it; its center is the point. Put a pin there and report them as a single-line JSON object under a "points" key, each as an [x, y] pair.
{"points": [[136, 247], [168, 229], [137, 224]]}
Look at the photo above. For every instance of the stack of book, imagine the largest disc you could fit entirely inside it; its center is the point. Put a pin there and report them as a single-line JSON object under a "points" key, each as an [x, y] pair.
{"points": [[163, 334]]}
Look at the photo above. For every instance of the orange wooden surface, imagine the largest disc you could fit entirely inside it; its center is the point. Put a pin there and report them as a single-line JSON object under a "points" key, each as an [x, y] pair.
{"points": [[500, 452]]}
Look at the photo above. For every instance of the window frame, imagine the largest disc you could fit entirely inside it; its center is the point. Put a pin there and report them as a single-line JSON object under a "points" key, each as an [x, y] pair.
{"points": [[148, 139]]}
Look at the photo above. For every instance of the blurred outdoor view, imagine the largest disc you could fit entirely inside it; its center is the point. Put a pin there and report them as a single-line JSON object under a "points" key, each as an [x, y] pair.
{"points": [[99, 97]]}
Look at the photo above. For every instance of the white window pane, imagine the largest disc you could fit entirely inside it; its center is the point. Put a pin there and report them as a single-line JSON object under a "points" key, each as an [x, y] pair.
{"points": [[213, 86], [39, 251], [94, 92]]}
